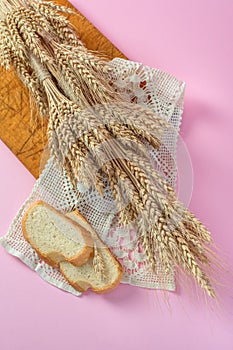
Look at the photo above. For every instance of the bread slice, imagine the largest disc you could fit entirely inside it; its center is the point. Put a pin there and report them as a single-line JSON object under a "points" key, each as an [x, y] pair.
{"points": [[55, 237], [84, 277]]}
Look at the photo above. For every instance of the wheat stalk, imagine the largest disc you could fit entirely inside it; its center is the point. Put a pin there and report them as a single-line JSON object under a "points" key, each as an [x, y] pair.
{"points": [[171, 246], [89, 143], [98, 264]]}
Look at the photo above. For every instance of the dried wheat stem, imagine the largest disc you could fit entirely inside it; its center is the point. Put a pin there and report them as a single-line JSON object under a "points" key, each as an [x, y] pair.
{"points": [[90, 144]]}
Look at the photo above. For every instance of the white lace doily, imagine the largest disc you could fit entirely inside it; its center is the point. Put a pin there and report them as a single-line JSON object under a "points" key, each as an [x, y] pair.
{"points": [[148, 87]]}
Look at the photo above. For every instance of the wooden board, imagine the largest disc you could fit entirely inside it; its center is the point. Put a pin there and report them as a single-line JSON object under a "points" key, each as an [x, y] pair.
{"points": [[16, 128]]}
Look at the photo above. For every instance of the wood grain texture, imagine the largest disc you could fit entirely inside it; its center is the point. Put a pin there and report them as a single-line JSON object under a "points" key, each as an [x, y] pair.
{"points": [[16, 128]]}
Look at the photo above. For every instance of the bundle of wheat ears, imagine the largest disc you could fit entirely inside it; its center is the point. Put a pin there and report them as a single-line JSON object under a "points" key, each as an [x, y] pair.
{"points": [[94, 133]]}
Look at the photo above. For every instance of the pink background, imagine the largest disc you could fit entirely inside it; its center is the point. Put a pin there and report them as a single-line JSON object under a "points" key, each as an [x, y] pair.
{"points": [[192, 40]]}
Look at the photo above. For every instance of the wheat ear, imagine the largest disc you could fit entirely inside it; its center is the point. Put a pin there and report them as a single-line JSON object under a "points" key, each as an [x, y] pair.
{"points": [[98, 264]]}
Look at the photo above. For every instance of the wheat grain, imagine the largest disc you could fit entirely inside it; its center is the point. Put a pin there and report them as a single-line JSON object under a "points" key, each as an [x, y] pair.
{"points": [[5, 51], [16, 41], [92, 60], [49, 7]]}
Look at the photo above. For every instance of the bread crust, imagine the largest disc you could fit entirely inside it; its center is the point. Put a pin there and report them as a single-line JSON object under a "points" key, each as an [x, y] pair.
{"points": [[53, 258], [83, 285]]}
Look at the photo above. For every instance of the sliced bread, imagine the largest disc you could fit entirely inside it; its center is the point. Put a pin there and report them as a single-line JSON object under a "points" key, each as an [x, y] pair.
{"points": [[55, 237], [84, 277]]}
